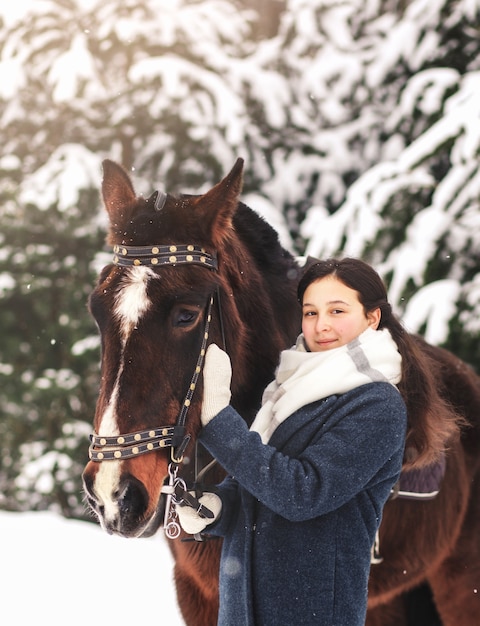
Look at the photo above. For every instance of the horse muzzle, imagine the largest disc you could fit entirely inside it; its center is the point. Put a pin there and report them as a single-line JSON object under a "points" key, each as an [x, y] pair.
{"points": [[121, 503]]}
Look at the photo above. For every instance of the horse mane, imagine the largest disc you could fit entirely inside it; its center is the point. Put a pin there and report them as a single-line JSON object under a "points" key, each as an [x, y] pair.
{"points": [[435, 409], [261, 238], [262, 276], [262, 241]]}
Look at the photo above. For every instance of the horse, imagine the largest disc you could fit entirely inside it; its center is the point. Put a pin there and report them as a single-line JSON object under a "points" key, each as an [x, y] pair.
{"points": [[189, 270]]}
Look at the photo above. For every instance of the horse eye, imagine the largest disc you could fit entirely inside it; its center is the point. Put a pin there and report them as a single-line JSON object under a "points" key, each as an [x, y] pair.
{"points": [[186, 317]]}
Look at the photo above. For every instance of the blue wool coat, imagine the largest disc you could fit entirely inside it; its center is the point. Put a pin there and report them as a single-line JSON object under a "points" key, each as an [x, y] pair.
{"points": [[299, 515]]}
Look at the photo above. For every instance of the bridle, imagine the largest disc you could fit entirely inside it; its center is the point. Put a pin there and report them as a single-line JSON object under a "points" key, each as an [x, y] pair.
{"points": [[134, 444]]}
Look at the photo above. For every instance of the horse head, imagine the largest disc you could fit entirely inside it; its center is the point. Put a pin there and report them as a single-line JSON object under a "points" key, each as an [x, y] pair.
{"points": [[185, 273]]}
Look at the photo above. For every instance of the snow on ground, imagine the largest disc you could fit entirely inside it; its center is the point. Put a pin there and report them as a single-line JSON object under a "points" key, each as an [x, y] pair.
{"points": [[70, 573]]}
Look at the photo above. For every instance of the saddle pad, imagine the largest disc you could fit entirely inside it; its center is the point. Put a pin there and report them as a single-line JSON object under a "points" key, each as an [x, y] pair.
{"points": [[420, 484]]}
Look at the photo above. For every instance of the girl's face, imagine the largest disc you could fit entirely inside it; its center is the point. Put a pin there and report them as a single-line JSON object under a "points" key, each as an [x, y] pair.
{"points": [[333, 315]]}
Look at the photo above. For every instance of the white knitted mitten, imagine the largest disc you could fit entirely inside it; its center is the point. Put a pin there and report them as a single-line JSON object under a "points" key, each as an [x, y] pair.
{"points": [[217, 375], [191, 522]]}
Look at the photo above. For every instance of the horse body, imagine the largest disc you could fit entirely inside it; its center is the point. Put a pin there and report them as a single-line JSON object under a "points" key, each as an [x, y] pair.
{"points": [[152, 321], [437, 541]]}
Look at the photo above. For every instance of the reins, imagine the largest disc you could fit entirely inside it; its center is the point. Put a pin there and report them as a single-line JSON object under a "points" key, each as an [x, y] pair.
{"points": [[130, 445]]}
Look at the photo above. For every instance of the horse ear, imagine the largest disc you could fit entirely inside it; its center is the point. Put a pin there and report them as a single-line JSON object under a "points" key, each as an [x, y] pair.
{"points": [[117, 191], [218, 205]]}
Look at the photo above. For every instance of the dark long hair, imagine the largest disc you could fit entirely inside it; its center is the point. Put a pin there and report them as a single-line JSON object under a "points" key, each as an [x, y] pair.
{"points": [[432, 421]]}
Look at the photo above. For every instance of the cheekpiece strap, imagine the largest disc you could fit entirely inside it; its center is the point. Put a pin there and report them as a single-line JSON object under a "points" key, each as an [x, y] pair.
{"points": [[153, 256]]}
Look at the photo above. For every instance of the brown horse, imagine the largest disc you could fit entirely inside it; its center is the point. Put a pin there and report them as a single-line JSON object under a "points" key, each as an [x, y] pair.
{"points": [[190, 270]]}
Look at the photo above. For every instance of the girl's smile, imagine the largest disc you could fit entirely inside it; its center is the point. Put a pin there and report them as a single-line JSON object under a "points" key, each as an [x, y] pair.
{"points": [[333, 315]]}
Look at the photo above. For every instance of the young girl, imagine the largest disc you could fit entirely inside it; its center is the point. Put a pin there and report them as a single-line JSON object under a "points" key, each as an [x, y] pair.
{"points": [[307, 483]]}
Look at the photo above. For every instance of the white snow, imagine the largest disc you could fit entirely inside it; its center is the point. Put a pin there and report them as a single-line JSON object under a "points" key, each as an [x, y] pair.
{"points": [[6, 282], [13, 12], [433, 306], [70, 69], [70, 168], [70, 573], [330, 65]]}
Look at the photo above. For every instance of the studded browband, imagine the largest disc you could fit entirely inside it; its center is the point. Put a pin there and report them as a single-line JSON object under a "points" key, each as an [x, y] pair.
{"points": [[163, 255]]}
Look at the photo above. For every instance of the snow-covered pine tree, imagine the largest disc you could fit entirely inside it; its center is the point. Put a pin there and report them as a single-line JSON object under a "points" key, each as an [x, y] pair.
{"points": [[47, 388], [139, 81], [357, 119], [390, 157]]}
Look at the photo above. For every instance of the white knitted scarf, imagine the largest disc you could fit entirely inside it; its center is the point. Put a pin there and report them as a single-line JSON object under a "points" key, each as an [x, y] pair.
{"points": [[303, 377]]}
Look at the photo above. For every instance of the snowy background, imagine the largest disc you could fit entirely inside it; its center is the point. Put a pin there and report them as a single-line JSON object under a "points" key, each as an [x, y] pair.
{"points": [[69, 573], [359, 123]]}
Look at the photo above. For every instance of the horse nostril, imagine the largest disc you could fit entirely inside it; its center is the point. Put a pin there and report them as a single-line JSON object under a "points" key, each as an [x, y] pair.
{"points": [[132, 498]]}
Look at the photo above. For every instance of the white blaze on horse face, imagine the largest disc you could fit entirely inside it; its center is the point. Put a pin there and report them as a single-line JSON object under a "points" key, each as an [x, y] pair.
{"points": [[108, 426], [130, 305], [132, 301], [107, 479]]}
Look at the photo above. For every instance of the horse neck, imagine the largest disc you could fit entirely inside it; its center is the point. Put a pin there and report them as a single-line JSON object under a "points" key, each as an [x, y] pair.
{"points": [[262, 280]]}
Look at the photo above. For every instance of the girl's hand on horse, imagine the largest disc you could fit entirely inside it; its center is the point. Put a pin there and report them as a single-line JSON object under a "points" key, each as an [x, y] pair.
{"points": [[217, 376], [191, 521]]}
